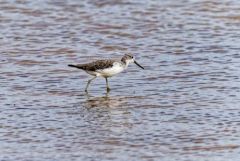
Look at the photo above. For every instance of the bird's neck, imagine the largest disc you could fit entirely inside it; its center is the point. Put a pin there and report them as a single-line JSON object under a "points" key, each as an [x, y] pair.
{"points": [[125, 63]]}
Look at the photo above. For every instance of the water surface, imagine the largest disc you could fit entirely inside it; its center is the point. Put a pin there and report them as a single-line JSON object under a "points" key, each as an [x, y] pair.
{"points": [[184, 105]]}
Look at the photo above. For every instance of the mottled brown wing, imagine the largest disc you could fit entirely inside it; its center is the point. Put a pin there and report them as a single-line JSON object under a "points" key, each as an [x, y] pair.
{"points": [[96, 65], [99, 65]]}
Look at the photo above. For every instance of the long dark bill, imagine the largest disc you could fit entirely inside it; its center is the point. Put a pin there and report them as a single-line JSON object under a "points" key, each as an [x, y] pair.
{"points": [[138, 64]]}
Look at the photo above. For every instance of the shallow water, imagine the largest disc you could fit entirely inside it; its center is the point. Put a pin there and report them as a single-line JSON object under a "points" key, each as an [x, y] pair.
{"points": [[184, 106]]}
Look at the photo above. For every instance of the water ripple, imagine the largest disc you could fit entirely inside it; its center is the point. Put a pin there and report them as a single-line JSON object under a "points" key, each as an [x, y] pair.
{"points": [[183, 105]]}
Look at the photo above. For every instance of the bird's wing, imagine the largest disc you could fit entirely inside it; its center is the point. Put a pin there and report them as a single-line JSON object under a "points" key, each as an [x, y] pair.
{"points": [[99, 65], [96, 65]]}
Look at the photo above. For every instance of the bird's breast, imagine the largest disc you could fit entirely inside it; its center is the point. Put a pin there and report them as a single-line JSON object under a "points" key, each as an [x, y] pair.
{"points": [[108, 72]]}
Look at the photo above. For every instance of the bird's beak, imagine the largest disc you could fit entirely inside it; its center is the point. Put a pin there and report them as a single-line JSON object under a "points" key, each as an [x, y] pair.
{"points": [[138, 64]]}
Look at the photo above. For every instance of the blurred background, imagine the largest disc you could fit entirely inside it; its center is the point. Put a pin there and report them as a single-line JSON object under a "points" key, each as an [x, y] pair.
{"points": [[184, 105]]}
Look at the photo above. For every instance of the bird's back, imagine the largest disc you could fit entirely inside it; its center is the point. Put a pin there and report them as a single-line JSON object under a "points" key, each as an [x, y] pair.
{"points": [[94, 66]]}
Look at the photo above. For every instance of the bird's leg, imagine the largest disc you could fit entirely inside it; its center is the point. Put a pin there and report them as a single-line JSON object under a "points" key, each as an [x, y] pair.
{"points": [[108, 89], [89, 83]]}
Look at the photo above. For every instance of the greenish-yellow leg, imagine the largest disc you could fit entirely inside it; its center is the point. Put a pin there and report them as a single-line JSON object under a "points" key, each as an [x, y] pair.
{"points": [[89, 83], [108, 88]]}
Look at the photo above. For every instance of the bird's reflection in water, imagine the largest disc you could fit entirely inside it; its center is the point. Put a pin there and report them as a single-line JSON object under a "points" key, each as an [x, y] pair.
{"points": [[105, 101], [108, 113]]}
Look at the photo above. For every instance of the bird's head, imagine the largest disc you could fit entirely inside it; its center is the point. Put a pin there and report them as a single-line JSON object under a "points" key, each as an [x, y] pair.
{"points": [[129, 58]]}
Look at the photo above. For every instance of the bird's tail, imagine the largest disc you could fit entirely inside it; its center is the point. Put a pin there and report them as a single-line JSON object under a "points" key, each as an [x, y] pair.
{"points": [[76, 66]]}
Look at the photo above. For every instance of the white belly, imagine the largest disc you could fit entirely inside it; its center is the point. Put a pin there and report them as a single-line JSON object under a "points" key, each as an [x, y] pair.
{"points": [[108, 72]]}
